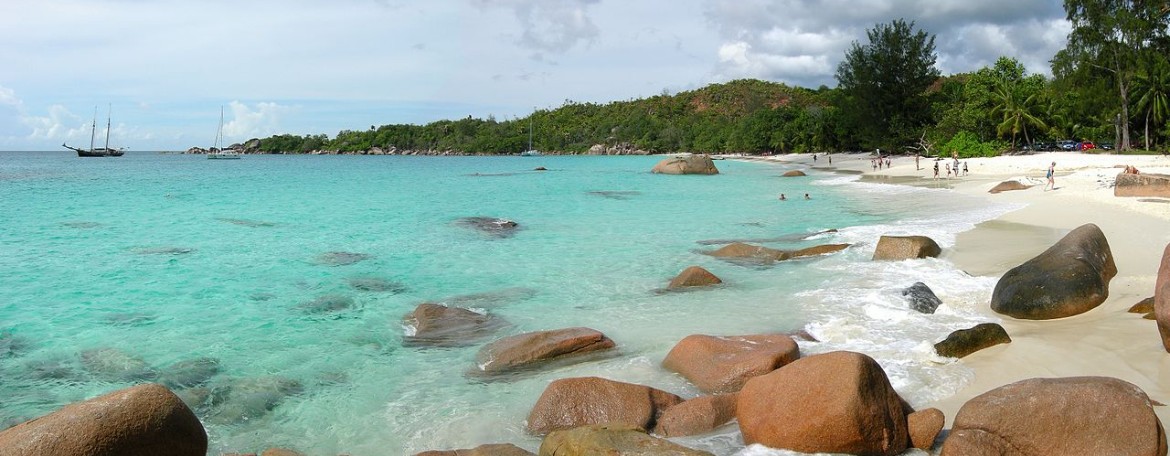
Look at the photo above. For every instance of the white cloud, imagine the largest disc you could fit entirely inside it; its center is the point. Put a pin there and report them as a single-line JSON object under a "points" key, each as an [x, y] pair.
{"points": [[551, 26], [261, 120]]}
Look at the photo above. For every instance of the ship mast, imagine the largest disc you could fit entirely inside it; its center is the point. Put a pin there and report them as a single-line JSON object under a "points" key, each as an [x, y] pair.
{"points": [[109, 112], [93, 128]]}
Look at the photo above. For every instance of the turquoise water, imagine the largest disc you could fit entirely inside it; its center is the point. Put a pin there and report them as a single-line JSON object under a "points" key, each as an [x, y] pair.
{"points": [[116, 269]]}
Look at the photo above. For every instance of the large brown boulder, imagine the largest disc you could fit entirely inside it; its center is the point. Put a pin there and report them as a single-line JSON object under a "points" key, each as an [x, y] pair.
{"points": [[1162, 299], [1008, 186], [967, 341], [146, 419], [696, 416], [436, 325], [571, 402], [794, 173], [1044, 416], [694, 276], [535, 348], [722, 364], [690, 164], [905, 248], [1069, 278], [924, 427], [838, 402], [611, 440], [818, 250], [491, 449], [1156, 185], [739, 251], [1144, 306]]}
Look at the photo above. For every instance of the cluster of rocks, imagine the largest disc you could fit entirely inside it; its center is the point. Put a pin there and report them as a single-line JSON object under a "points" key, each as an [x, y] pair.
{"points": [[616, 149], [1135, 184], [251, 146]]}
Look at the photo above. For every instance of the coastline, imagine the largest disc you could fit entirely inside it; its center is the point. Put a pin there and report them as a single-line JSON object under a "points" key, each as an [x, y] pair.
{"points": [[1106, 341]]}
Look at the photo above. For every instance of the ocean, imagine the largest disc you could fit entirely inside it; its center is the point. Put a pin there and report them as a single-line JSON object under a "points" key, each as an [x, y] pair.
{"points": [[272, 289]]}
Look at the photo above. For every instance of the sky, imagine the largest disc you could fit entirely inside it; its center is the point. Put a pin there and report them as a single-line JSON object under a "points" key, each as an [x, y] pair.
{"points": [[163, 69]]}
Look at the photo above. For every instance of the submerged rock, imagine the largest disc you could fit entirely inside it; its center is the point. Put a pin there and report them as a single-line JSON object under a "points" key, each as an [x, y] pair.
{"points": [[163, 250], [247, 223], [376, 284], [327, 304], [491, 226], [82, 225], [249, 398], [489, 299], [130, 318], [921, 298], [611, 439], [341, 258], [113, 365], [794, 173], [189, 373], [11, 344], [615, 194], [491, 449]]}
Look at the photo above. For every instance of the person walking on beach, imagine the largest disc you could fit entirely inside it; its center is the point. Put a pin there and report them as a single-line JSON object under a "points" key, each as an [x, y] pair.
{"points": [[956, 166], [1051, 179], [964, 168], [936, 169], [916, 167], [948, 170]]}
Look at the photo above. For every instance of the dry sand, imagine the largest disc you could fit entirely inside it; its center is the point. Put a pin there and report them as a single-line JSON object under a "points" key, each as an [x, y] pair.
{"points": [[1106, 341]]}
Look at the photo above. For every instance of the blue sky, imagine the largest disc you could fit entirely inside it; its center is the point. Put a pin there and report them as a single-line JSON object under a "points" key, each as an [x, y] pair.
{"points": [[165, 67]]}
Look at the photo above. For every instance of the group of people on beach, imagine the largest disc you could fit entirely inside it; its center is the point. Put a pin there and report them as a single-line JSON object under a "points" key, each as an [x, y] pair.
{"points": [[951, 169]]}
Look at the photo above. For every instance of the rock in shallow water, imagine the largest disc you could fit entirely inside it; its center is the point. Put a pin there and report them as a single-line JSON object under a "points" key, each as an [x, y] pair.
{"points": [[529, 350], [341, 258], [113, 365], [249, 398], [434, 325], [327, 304], [189, 373], [491, 226], [921, 298], [376, 284], [967, 341]]}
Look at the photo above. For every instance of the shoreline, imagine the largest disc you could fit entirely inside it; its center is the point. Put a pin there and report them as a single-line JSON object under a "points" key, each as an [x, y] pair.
{"points": [[1106, 341]]}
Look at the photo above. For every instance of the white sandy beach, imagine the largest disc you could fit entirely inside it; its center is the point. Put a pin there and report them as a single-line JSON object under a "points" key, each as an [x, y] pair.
{"points": [[1107, 341]]}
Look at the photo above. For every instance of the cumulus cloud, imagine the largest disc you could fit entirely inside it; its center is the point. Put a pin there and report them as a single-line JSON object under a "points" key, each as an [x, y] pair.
{"points": [[257, 121], [802, 41], [550, 26]]}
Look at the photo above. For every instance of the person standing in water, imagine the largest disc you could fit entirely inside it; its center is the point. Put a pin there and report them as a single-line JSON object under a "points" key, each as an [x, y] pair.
{"points": [[1051, 178]]}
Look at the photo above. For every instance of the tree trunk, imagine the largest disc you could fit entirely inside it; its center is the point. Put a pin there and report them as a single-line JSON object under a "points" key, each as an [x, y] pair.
{"points": [[1124, 113], [1147, 130]]}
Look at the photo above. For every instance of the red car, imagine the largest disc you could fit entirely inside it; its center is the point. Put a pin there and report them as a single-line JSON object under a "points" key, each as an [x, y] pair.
{"points": [[1087, 145]]}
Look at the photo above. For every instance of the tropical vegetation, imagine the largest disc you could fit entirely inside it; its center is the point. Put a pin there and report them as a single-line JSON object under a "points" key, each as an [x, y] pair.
{"points": [[1111, 84]]}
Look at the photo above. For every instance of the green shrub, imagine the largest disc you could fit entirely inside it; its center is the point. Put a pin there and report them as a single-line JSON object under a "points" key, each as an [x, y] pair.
{"points": [[968, 145]]}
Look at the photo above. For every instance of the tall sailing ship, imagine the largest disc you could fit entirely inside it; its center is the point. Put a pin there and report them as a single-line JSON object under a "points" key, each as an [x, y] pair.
{"points": [[100, 151]]}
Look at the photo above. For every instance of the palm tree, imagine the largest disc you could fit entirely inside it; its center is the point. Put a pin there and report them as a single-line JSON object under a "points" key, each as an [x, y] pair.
{"points": [[1015, 112], [1152, 87]]}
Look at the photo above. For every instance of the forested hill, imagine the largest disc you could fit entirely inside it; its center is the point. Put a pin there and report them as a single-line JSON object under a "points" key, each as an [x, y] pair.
{"points": [[738, 116]]}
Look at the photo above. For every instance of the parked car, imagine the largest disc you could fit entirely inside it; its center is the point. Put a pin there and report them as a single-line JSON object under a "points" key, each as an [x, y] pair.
{"points": [[1105, 146], [1087, 145], [1044, 146], [1067, 144]]}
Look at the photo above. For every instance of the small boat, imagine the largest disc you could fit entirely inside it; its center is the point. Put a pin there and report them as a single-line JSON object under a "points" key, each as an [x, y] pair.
{"points": [[215, 153], [530, 152], [99, 151]]}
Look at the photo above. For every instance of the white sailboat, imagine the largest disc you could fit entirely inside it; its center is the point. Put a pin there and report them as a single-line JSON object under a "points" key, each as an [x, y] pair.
{"points": [[219, 154], [530, 152]]}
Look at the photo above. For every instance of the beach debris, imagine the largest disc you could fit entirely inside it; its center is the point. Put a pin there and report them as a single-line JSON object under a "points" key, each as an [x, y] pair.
{"points": [[837, 402], [690, 164], [189, 373], [143, 419], [436, 325], [615, 439], [490, 449], [495, 227], [327, 304], [1162, 298], [248, 398], [905, 248], [924, 426], [1069, 278], [340, 258], [1007, 186], [615, 194], [1074, 415], [722, 364], [794, 173], [376, 284], [246, 222], [694, 276], [921, 298], [81, 225], [529, 350], [163, 250], [114, 365], [697, 416], [967, 341], [1131, 184], [571, 402], [1142, 307]]}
